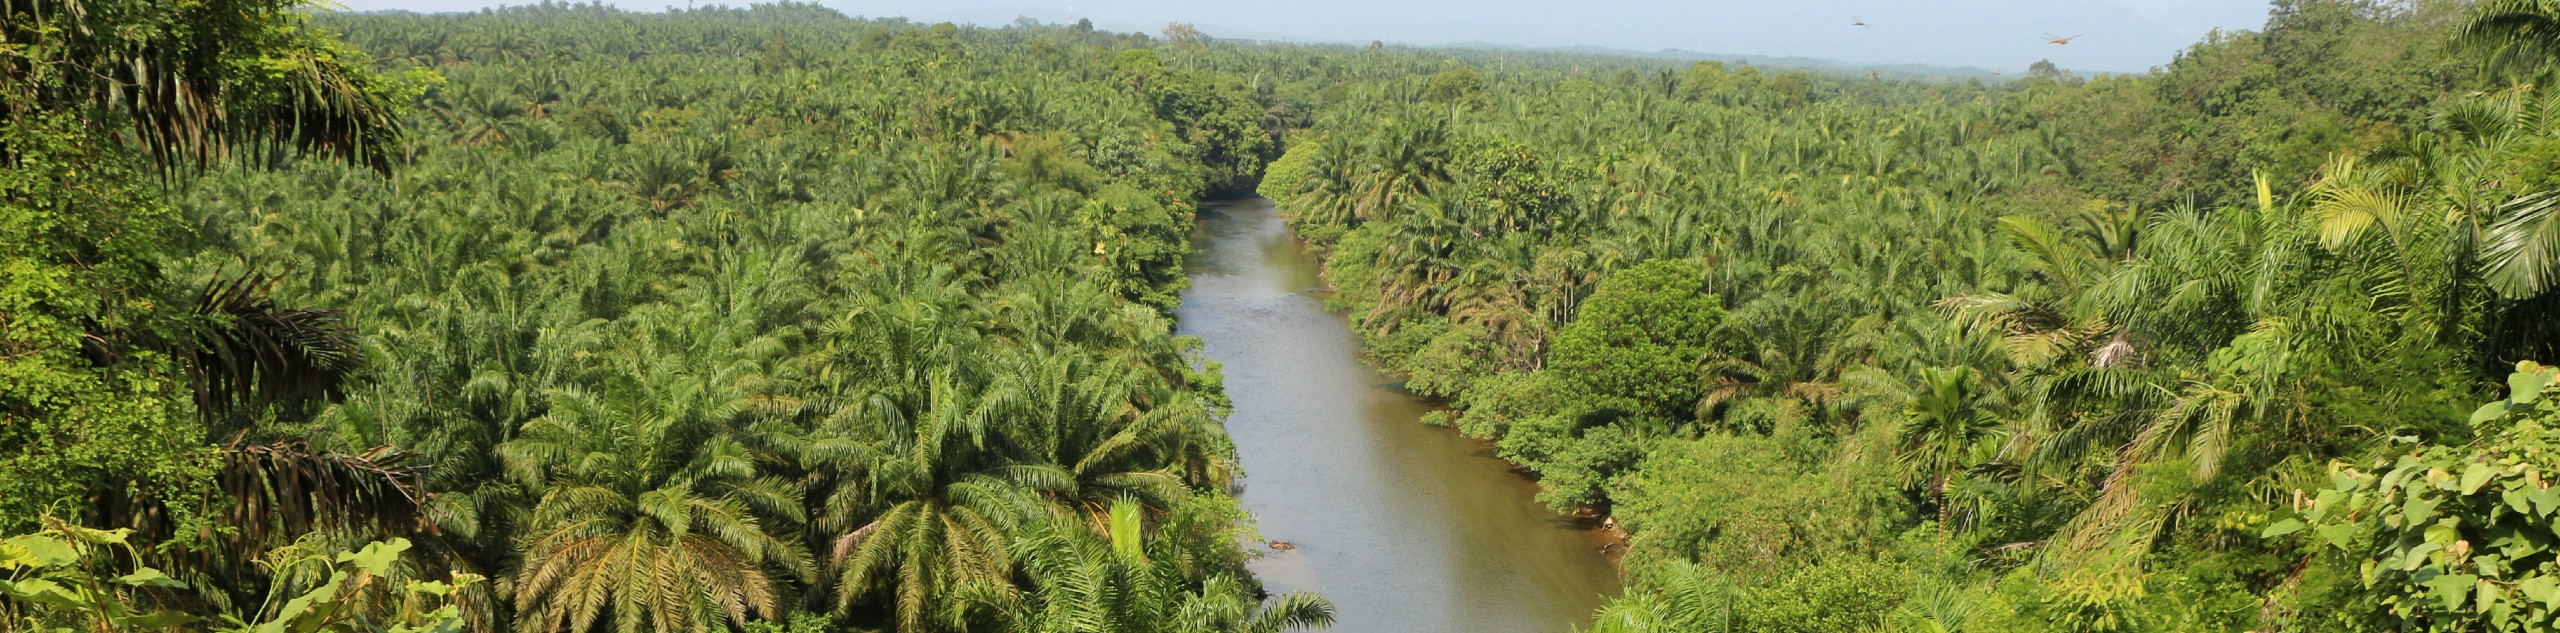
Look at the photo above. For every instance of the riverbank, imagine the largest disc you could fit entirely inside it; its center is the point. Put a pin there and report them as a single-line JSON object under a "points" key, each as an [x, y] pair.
{"points": [[1406, 527], [1443, 412]]}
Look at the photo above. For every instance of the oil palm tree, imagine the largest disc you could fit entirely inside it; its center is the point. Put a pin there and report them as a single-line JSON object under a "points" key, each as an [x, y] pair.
{"points": [[1089, 443], [649, 516], [928, 506], [184, 85], [1411, 158], [2242, 386], [1121, 581], [198, 80], [1683, 597]]}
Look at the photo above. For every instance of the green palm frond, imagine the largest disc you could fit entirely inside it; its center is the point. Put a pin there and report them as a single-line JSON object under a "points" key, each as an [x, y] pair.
{"points": [[1684, 597], [2514, 28], [2523, 250]]}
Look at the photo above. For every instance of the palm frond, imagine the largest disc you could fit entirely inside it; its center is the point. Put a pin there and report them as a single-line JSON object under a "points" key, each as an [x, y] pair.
{"points": [[2523, 250], [248, 352]]}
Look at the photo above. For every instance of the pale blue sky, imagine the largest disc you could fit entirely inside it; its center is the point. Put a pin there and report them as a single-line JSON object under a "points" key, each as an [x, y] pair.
{"points": [[2117, 35]]}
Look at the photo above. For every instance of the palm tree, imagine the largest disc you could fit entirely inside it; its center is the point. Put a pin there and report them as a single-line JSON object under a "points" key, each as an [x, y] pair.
{"points": [[928, 511], [649, 514], [1124, 582], [1409, 159], [199, 80], [2243, 385], [183, 85], [2523, 251], [2454, 181], [2514, 30], [1684, 597], [1427, 251], [249, 353], [1938, 608], [1089, 444], [2518, 237], [1947, 413]]}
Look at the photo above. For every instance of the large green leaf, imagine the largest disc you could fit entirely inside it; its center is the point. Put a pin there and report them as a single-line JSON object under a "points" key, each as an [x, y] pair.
{"points": [[42, 591], [2490, 411], [376, 558], [2476, 475], [2542, 588], [2523, 250], [2416, 556], [160, 620], [2452, 590], [2526, 385], [2417, 511], [2339, 535], [148, 577], [37, 550]]}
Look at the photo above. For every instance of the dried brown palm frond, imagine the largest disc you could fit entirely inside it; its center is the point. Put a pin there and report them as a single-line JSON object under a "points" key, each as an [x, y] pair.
{"points": [[247, 352], [199, 80], [2118, 350], [283, 489], [2033, 334], [265, 496]]}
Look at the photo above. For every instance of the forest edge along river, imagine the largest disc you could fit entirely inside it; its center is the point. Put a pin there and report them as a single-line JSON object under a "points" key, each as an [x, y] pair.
{"points": [[1404, 526]]}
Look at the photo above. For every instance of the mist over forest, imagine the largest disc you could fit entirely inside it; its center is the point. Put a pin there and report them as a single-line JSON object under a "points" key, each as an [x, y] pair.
{"points": [[1995, 35]]}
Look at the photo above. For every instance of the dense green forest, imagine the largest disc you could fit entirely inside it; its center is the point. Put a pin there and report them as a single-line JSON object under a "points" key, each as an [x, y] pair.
{"points": [[763, 318], [2061, 354], [769, 319]]}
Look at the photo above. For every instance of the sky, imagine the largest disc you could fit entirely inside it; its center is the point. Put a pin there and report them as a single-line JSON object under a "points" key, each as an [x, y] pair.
{"points": [[2000, 35]]}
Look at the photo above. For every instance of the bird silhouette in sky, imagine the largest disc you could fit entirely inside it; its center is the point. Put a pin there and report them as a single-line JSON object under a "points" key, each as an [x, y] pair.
{"points": [[2059, 41], [1854, 21]]}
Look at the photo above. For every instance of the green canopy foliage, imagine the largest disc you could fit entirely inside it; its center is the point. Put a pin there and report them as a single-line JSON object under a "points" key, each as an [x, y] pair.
{"points": [[694, 321], [2049, 350], [2447, 538], [769, 318], [1638, 338]]}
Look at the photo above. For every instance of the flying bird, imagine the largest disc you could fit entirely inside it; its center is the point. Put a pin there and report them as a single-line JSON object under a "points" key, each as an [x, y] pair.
{"points": [[1854, 21], [2059, 41]]}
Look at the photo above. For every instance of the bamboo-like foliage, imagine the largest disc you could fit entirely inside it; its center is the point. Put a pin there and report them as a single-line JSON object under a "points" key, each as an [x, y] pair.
{"points": [[1684, 597]]}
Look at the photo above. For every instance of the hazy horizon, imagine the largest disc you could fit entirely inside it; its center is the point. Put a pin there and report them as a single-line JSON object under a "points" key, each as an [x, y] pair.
{"points": [[2114, 35]]}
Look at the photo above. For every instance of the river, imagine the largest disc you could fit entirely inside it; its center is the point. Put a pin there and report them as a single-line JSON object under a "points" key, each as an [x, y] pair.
{"points": [[1407, 528]]}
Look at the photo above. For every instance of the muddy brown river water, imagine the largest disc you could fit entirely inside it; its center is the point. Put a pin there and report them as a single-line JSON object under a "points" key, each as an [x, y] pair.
{"points": [[1407, 528]]}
